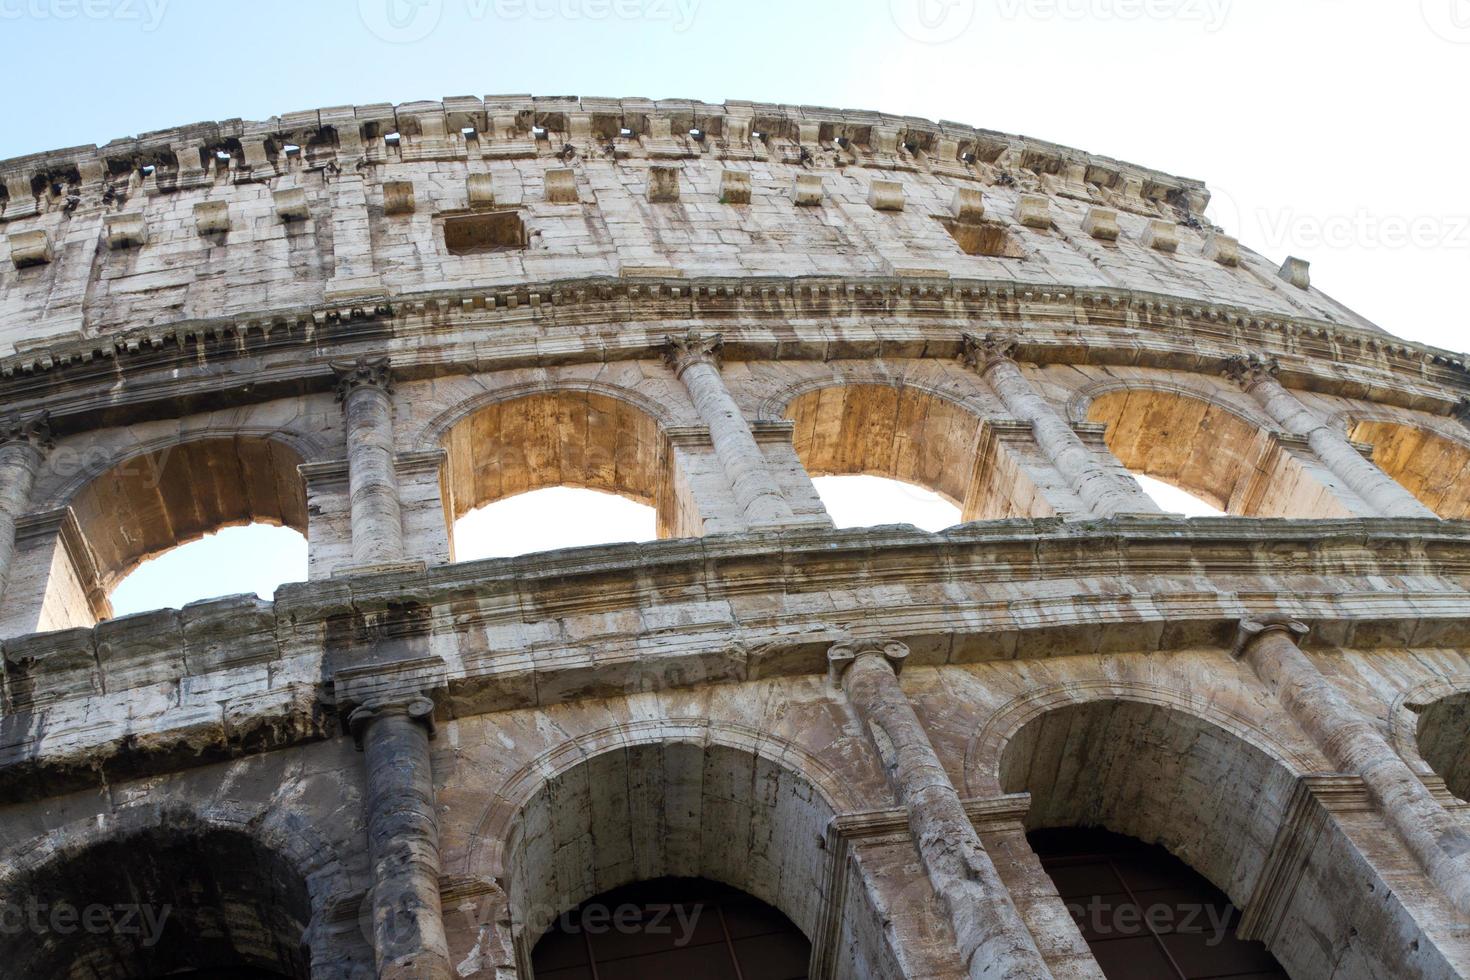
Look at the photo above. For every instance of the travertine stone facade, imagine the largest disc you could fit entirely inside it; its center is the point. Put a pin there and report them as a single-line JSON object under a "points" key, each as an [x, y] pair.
{"points": [[363, 323]]}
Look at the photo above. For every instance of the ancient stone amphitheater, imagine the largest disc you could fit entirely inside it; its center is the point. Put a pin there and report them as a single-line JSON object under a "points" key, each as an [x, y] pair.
{"points": [[1052, 741]]}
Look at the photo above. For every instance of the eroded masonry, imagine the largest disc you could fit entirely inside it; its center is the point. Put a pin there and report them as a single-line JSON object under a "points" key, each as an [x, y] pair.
{"points": [[872, 753]]}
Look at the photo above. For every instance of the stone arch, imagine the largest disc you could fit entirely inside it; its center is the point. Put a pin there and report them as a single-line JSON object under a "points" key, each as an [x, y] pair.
{"points": [[1219, 796], [986, 747], [226, 888], [1197, 441], [1430, 727], [587, 436], [172, 492], [680, 798], [1431, 462], [896, 428]]}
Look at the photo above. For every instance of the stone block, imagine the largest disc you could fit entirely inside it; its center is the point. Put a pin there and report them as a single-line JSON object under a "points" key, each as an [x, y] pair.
{"points": [[1222, 249], [663, 185], [28, 248], [561, 187], [212, 217], [808, 190], [1102, 224], [734, 187], [1034, 211], [126, 231], [968, 205], [1161, 236], [291, 204], [480, 190], [885, 195], [1297, 271], [45, 668], [398, 197], [139, 651]]}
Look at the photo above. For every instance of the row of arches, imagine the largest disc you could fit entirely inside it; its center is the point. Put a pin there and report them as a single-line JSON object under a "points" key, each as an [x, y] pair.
{"points": [[1151, 836], [944, 458]]}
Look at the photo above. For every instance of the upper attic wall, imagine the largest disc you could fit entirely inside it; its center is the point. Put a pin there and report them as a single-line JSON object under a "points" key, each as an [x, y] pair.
{"points": [[244, 219]]}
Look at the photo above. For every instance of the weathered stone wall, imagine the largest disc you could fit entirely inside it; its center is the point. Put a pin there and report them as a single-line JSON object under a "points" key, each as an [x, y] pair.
{"points": [[282, 321]]}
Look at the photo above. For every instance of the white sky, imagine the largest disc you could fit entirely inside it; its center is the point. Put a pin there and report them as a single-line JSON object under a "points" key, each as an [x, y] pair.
{"points": [[1327, 129]]}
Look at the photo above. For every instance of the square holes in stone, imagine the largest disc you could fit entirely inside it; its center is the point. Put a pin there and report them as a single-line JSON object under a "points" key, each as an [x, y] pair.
{"points": [[476, 234], [990, 238]]}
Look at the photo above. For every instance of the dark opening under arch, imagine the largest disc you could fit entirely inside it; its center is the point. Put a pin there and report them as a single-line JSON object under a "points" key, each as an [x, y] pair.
{"points": [[679, 928], [1146, 914]]}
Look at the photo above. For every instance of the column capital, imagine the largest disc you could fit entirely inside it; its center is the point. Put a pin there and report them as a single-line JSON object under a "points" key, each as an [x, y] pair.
{"points": [[365, 372], [682, 353], [981, 353], [413, 706], [844, 653], [1249, 370], [34, 430], [1251, 630]]}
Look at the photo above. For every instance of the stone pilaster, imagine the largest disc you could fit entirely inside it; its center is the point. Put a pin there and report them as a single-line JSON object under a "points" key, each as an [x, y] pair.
{"points": [[365, 389], [1258, 376], [993, 357], [23, 445], [403, 838], [695, 359], [1438, 841], [992, 938]]}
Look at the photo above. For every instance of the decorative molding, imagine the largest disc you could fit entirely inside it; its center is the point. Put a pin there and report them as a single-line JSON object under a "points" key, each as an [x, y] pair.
{"points": [[682, 353], [845, 653], [33, 430], [1252, 630], [1249, 370], [365, 372], [1117, 327], [982, 353]]}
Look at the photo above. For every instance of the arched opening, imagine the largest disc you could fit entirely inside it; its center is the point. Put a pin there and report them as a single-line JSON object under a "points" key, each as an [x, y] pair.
{"points": [[1212, 454], [1172, 500], [1230, 811], [865, 501], [672, 929], [1444, 741], [256, 558], [150, 504], [1146, 914], [161, 903], [1431, 467], [649, 812], [917, 439], [502, 455]]}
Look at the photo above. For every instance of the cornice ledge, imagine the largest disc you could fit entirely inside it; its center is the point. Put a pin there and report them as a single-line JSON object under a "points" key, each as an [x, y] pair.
{"points": [[1285, 337]]}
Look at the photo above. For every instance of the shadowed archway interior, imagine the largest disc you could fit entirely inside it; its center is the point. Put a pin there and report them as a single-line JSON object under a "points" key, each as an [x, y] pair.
{"points": [[1444, 741], [161, 903], [1145, 914], [674, 928]]}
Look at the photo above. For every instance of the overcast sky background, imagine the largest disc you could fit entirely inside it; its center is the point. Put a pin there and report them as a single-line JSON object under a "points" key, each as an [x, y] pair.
{"points": [[1332, 130]]}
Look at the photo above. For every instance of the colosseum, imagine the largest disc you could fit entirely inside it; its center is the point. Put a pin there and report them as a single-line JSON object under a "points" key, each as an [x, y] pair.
{"points": [[1072, 736]]}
